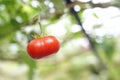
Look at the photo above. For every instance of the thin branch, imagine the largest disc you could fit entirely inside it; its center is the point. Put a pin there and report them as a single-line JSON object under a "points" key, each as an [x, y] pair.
{"points": [[86, 35]]}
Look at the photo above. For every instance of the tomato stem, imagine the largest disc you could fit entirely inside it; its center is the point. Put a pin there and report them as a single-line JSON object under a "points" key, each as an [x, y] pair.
{"points": [[41, 33], [40, 24]]}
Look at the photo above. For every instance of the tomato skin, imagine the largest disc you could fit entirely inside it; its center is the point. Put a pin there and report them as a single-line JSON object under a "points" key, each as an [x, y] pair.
{"points": [[42, 47]]}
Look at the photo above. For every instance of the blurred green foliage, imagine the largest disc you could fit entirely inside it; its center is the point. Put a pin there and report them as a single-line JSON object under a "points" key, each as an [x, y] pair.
{"points": [[18, 21]]}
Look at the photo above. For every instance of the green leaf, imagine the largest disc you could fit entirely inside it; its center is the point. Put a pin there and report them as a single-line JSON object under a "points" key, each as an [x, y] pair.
{"points": [[95, 15], [108, 45]]}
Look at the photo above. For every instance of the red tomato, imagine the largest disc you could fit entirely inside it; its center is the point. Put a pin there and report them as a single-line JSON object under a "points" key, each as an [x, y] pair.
{"points": [[42, 47]]}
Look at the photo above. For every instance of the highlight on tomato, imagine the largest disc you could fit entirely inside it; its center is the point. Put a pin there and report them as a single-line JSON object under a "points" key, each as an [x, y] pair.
{"points": [[42, 47]]}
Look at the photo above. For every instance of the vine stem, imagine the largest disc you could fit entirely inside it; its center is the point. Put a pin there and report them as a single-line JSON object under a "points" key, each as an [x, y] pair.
{"points": [[42, 31], [40, 25]]}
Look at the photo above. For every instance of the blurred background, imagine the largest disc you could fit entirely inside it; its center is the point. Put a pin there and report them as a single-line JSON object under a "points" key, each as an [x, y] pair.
{"points": [[76, 59]]}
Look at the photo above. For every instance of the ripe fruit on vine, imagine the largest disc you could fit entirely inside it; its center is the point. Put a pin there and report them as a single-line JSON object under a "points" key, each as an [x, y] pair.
{"points": [[41, 47]]}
